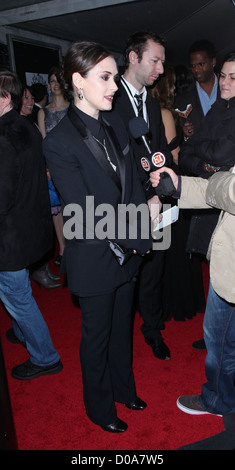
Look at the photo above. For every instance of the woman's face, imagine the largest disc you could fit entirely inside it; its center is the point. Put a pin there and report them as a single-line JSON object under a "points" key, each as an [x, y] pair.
{"points": [[227, 80], [54, 85], [98, 87], [27, 103]]}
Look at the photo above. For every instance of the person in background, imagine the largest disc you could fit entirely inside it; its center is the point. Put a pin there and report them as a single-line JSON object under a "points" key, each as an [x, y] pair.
{"points": [[210, 149], [88, 155], [40, 271], [217, 394], [201, 95], [27, 102], [203, 92], [48, 118], [144, 57], [183, 78], [40, 94], [182, 275], [25, 230]]}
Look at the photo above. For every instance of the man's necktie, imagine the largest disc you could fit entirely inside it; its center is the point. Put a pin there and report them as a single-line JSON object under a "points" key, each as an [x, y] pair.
{"points": [[139, 99]]}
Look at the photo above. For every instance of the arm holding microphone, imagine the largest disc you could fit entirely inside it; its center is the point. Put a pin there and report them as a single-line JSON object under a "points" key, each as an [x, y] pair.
{"points": [[189, 190], [199, 193], [152, 160], [155, 178]]}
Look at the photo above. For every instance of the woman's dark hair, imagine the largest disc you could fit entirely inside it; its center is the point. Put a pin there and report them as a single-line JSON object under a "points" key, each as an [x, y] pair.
{"points": [[81, 57], [10, 84], [137, 42], [24, 89], [183, 78], [163, 89], [58, 72], [230, 57]]}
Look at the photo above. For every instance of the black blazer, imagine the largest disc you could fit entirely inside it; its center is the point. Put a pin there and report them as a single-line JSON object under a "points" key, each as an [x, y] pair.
{"points": [[80, 179], [190, 96], [157, 136], [212, 147], [35, 113], [25, 220]]}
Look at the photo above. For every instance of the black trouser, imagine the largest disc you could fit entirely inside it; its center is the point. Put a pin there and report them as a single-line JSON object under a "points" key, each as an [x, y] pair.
{"points": [[106, 353], [149, 294]]}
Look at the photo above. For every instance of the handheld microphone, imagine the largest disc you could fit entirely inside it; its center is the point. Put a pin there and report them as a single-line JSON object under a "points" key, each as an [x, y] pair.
{"points": [[155, 160]]}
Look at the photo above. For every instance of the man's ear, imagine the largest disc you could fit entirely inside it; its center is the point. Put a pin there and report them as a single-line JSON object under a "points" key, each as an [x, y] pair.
{"points": [[133, 57]]}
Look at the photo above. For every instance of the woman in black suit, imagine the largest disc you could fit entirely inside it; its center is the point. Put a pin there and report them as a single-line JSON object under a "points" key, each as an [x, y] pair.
{"points": [[92, 167]]}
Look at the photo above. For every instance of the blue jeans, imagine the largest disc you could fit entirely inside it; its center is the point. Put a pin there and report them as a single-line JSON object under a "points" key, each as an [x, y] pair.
{"points": [[28, 322], [218, 393]]}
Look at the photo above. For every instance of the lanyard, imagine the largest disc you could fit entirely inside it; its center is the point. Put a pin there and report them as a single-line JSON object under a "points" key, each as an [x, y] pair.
{"points": [[135, 108], [133, 102]]}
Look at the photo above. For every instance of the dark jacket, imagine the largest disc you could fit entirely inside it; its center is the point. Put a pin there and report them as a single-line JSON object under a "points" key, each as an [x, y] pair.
{"points": [[156, 136], [69, 149], [190, 96], [34, 115], [212, 148], [25, 219]]}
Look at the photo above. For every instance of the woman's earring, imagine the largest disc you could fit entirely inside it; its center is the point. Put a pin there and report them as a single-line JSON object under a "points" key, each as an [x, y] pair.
{"points": [[80, 95]]}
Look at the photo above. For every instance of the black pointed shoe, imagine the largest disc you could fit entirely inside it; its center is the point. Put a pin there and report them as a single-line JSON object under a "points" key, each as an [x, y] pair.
{"points": [[160, 349], [42, 279], [136, 404], [51, 275], [117, 426]]}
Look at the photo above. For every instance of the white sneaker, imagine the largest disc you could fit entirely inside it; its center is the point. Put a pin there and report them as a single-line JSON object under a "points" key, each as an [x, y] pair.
{"points": [[191, 404]]}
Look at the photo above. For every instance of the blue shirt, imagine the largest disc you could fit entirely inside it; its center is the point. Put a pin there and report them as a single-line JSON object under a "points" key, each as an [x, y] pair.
{"points": [[207, 101]]}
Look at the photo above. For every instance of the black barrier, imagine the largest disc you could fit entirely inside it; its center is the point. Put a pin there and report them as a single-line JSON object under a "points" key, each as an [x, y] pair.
{"points": [[7, 429]]}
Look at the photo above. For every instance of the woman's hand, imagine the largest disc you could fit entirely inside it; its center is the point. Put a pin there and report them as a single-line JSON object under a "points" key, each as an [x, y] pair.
{"points": [[188, 129], [155, 176], [155, 206], [48, 174]]}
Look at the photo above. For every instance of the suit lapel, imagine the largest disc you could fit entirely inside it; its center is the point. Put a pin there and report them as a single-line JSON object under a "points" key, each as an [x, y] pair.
{"points": [[119, 154], [93, 146]]}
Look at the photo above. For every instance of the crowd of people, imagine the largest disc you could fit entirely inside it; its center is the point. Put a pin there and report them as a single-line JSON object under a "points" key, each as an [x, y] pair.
{"points": [[57, 154]]}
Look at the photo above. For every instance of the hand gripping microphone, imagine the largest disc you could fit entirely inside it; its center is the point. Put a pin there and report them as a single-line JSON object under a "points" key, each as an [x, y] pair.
{"points": [[155, 160]]}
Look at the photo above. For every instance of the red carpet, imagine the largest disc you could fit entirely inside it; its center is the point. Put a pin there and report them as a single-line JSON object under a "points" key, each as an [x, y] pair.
{"points": [[49, 413]]}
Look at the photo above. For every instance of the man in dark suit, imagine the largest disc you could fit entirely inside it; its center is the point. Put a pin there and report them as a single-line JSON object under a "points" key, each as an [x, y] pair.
{"points": [[25, 230], [144, 58], [204, 91], [40, 94]]}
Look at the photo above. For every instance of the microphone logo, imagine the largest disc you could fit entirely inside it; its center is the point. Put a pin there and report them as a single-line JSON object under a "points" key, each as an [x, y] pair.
{"points": [[158, 159], [145, 164]]}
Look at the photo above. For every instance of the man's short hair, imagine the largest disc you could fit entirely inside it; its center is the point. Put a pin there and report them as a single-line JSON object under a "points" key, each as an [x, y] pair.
{"points": [[39, 91], [137, 42], [203, 45]]}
